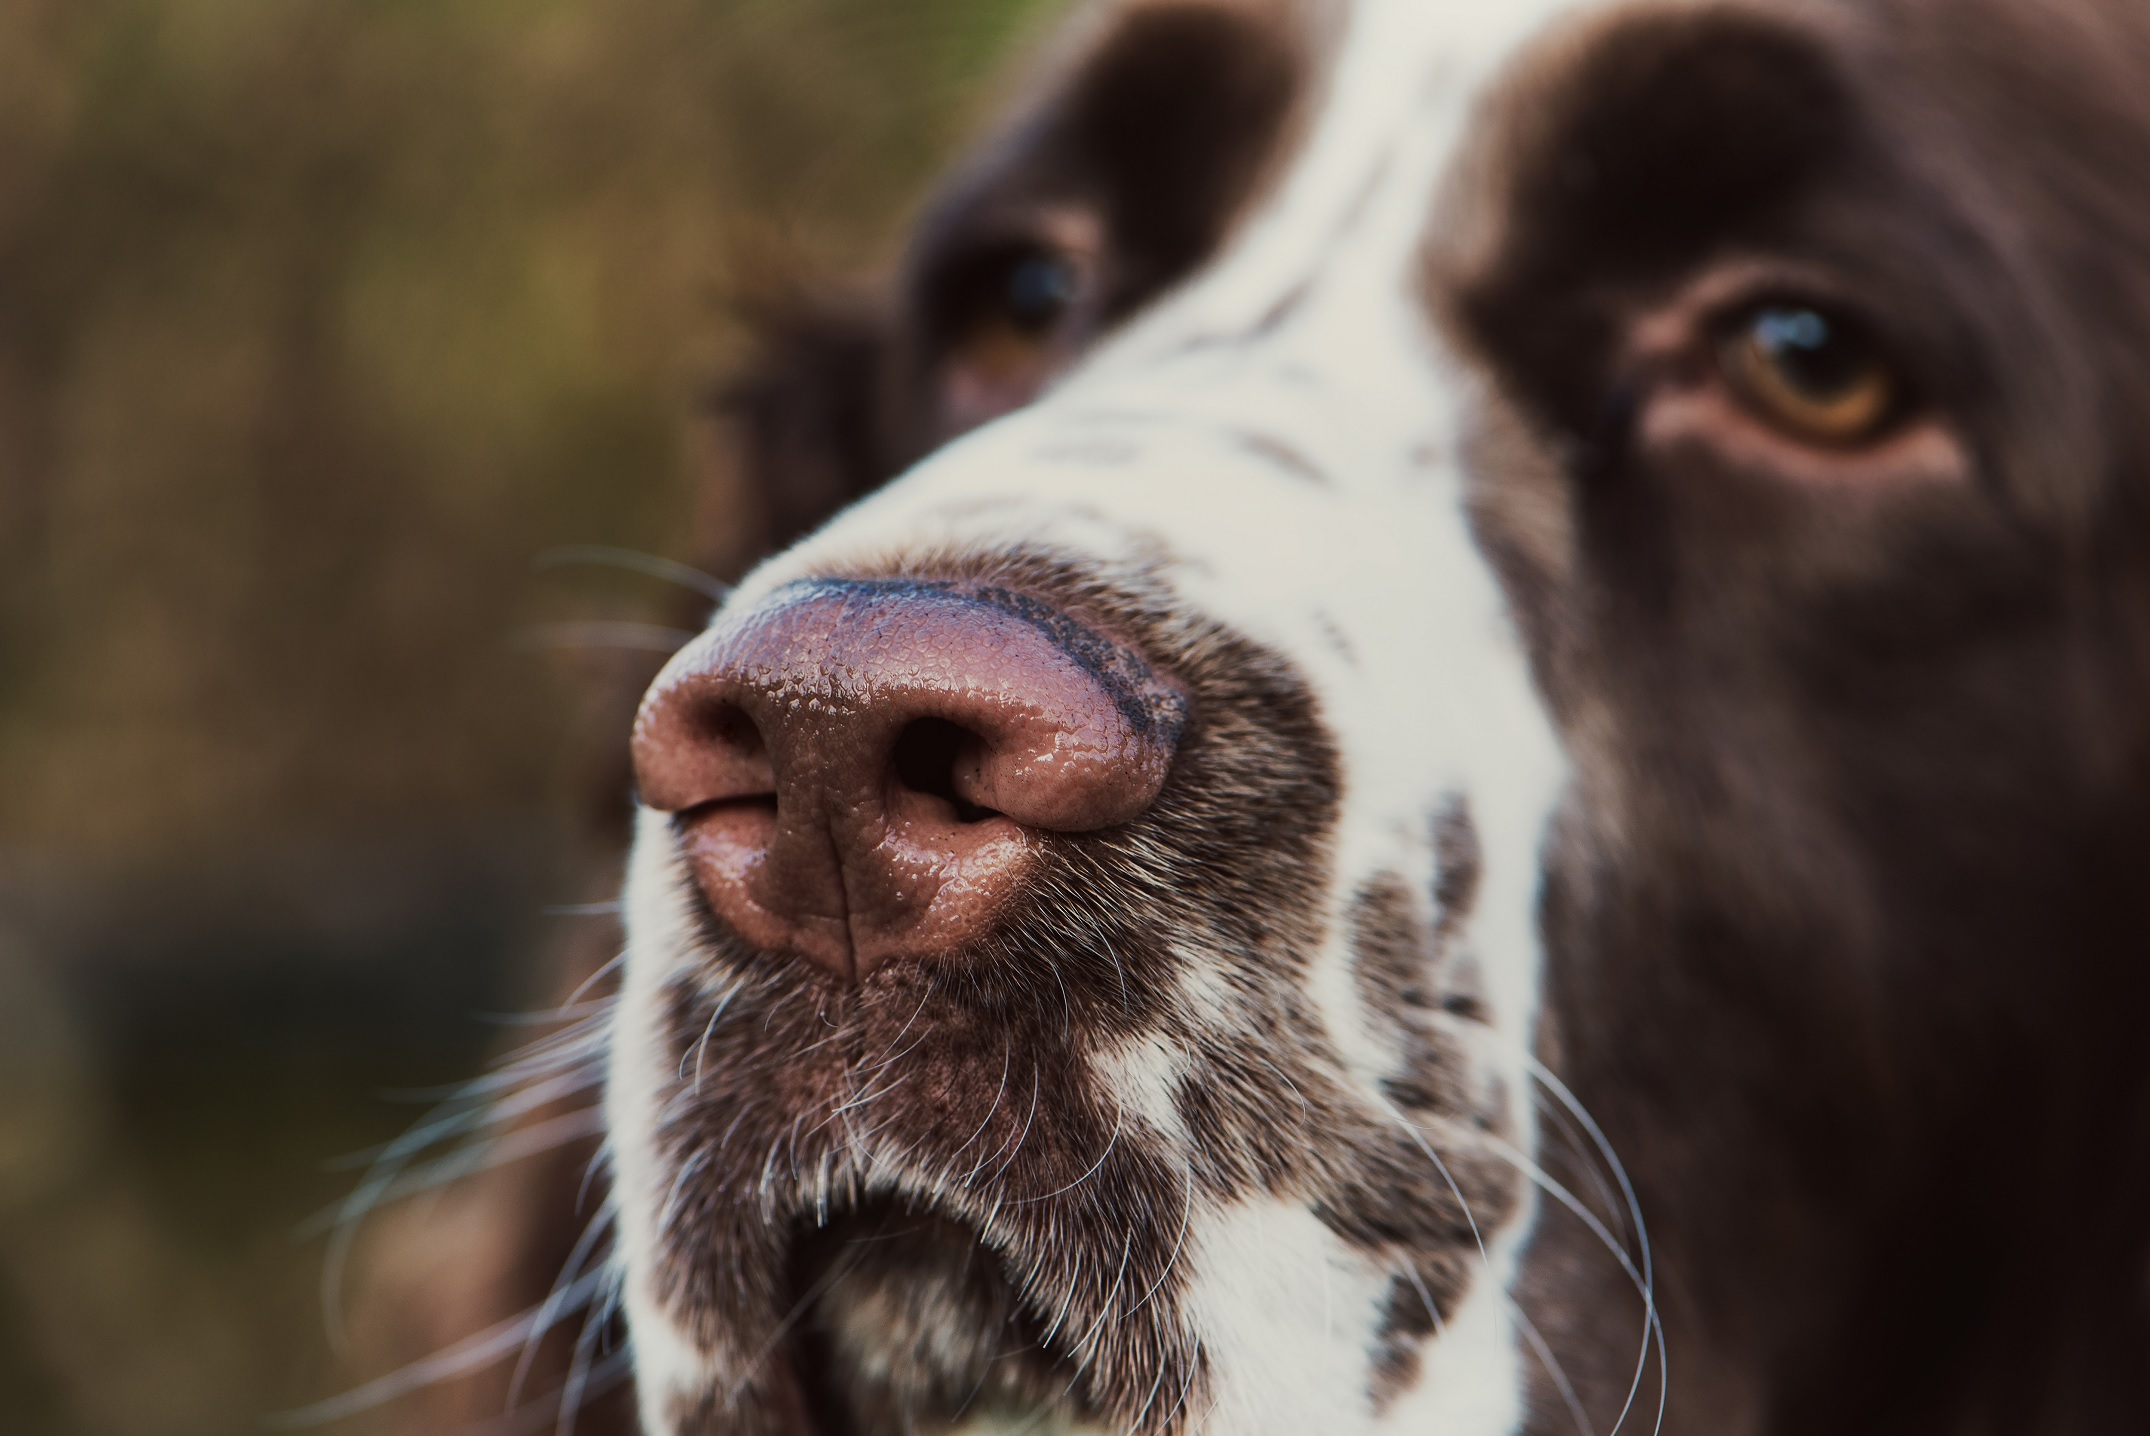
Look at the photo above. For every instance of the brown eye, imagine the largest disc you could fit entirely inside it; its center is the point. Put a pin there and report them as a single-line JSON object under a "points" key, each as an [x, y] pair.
{"points": [[1810, 374], [1020, 304], [1016, 321]]}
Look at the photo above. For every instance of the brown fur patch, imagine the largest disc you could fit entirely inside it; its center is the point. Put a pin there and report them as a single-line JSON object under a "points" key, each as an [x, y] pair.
{"points": [[1849, 889], [1406, 969]]}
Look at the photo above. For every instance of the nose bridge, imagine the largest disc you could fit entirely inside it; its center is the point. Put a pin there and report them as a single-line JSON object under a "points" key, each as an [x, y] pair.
{"points": [[1318, 304], [1321, 372]]}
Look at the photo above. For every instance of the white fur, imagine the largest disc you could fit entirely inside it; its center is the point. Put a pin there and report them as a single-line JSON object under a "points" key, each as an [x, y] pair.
{"points": [[1140, 456], [1472, 1379], [639, 1082], [1143, 1075], [1287, 1313]]}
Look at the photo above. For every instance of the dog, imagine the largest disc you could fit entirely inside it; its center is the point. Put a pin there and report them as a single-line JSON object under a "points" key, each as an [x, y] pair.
{"points": [[1080, 933], [1486, 772]]}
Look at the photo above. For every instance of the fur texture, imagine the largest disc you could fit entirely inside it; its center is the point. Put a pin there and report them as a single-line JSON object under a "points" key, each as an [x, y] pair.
{"points": [[1381, 397]]}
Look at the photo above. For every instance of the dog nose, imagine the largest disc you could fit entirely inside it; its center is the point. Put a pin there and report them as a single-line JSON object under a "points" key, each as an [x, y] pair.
{"points": [[863, 770]]}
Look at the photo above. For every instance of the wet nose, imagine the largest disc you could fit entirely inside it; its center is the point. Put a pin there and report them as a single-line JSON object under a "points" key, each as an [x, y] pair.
{"points": [[862, 771]]}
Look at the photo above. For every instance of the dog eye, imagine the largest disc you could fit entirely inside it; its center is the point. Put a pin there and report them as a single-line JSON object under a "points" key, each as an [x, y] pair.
{"points": [[1037, 292], [1017, 318], [1814, 375]]}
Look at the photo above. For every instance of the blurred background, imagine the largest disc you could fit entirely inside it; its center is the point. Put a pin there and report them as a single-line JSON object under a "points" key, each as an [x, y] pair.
{"points": [[320, 322]]}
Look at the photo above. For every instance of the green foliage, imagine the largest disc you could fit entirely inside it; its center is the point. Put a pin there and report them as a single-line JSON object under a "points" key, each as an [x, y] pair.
{"points": [[318, 320]]}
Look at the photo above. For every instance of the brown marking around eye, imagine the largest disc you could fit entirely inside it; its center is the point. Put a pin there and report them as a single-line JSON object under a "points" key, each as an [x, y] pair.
{"points": [[1001, 359], [1922, 453], [1674, 360], [1146, 147]]}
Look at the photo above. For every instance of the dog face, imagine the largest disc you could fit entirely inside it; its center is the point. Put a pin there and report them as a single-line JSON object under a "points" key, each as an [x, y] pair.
{"points": [[1082, 959], [1081, 948]]}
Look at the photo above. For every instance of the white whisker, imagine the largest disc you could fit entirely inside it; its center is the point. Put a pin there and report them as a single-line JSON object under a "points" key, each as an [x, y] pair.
{"points": [[1410, 1269], [574, 1393], [1007, 1059], [570, 1271], [1127, 1247], [1186, 1220], [633, 561], [1552, 1366], [1118, 1122], [473, 1353], [608, 908], [838, 1270], [1036, 1081], [548, 1069], [882, 1059], [610, 966], [701, 1043], [1653, 1326]]}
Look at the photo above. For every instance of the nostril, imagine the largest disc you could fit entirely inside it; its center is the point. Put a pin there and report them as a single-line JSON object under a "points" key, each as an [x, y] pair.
{"points": [[728, 725], [703, 753], [737, 803], [726, 728], [925, 758]]}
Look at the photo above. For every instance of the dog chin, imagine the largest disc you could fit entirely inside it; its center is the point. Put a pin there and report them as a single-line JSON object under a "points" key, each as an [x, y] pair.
{"points": [[908, 1323]]}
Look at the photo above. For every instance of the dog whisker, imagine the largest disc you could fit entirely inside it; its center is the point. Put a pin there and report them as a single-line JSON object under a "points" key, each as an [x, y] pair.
{"points": [[1637, 1278], [708, 1028], [610, 907], [608, 633], [593, 1233], [1590, 1163], [838, 1270], [473, 1353], [549, 1069], [1006, 1061], [1036, 1082], [1653, 1325], [1531, 1171], [883, 1059], [1553, 1369], [607, 969], [574, 1392], [1178, 1243], [633, 561], [1118, 1122]]}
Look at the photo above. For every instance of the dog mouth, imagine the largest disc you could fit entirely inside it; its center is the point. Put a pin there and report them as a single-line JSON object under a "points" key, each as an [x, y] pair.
{"points": [[907, 1325], [915, 1199]]}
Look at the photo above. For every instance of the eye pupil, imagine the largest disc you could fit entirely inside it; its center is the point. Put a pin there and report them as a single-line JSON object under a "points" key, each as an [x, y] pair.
{"points": [[1039, 289], [1792, 328], [1814, 355]]}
